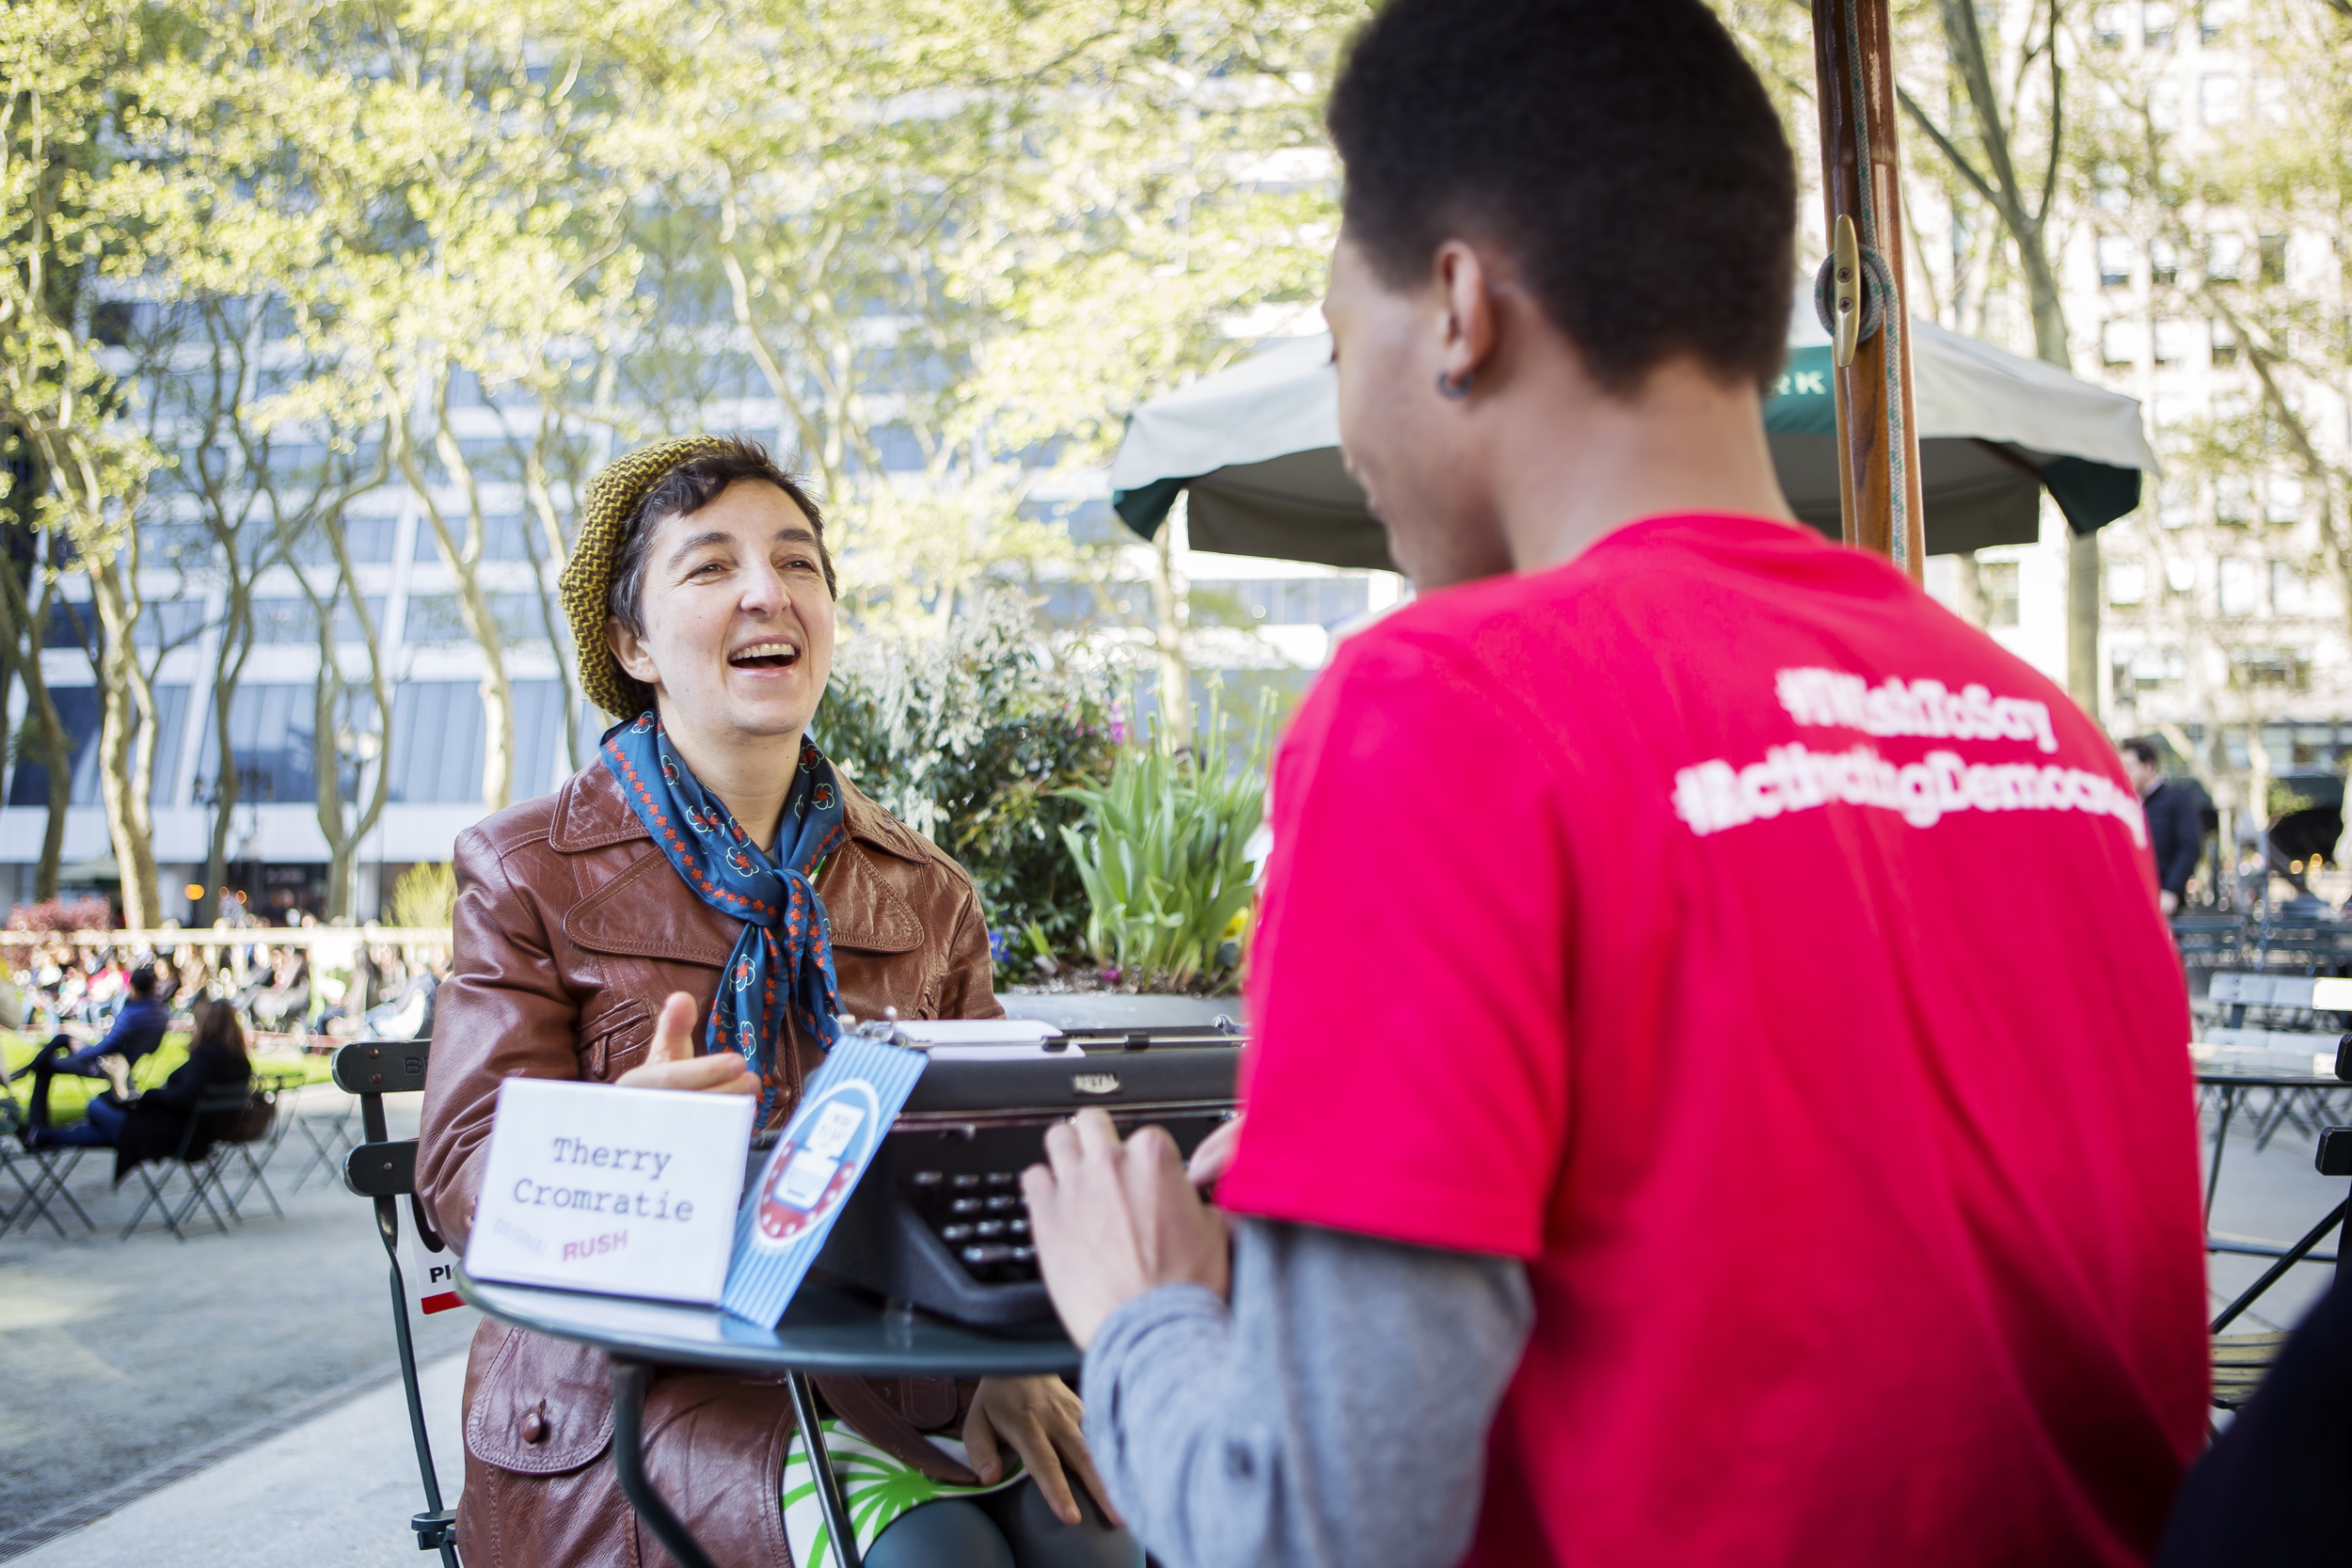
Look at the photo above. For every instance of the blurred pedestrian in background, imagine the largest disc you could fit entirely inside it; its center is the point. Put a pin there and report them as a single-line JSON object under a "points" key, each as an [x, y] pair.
{"points": [[2176, 828], [139, 1029]]}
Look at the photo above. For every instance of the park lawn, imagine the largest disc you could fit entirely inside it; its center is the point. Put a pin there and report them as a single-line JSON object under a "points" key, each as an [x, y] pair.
{"points": [[68, 1095]]}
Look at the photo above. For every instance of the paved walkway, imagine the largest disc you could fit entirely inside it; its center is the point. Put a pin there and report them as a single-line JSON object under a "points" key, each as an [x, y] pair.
{"points": [[119, 1359], [336, 1489]]}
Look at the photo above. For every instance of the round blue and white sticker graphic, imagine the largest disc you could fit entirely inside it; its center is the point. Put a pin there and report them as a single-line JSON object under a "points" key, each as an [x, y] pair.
{"points": [[828, 1143]]}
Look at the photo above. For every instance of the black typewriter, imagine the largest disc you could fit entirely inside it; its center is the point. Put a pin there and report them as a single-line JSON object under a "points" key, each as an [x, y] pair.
{"points": [[939, 1220]]}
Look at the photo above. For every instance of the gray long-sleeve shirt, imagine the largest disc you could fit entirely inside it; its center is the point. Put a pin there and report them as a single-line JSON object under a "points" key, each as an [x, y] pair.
{"points": [[1334, 1417]]}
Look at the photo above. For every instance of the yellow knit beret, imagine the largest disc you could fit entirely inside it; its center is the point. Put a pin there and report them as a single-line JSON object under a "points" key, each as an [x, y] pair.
{"points": [[612, 500]]}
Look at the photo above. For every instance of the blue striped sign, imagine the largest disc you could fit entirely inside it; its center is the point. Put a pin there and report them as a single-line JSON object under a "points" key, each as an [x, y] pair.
{"points": [[846, 1108]]}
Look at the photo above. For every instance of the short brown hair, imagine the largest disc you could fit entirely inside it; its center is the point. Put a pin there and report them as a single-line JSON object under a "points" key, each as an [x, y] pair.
{"points": [[686, 490], [1621, 150]]}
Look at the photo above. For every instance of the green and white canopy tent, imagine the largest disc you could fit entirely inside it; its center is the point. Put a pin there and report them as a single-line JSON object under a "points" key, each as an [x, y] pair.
{"points": [[1258, 447]]}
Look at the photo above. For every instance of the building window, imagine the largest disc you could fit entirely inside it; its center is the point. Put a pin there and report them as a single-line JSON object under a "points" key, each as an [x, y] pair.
{"points": [[270, 731], [79, 713], [291, 620], [439, 618], [2232, 501], [2112, 185], [2107, 26], [2127, 583], [2241, 587], [2155, 23], [2180, 576], [2269, 669], [2270, 100], [169, 624], [2149, 669], [2283, 498], [1999, 579], [2225, 256], [2164, 261], [2172, 338], [502, 538], [2274, 258], [2290, 591], [2176, 504], [2224, 343], [2164, 104], [368, 539], [439, 733], [2119, 342], [2215, 17], [2217, 100], [2115, 261]]}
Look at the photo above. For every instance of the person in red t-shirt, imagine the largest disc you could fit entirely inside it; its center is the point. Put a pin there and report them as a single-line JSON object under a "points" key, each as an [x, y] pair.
{"points": [[1717, 1090]]}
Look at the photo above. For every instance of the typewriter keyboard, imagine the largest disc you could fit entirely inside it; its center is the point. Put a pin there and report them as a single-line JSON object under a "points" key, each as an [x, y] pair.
{"points": [[982, 1218]]}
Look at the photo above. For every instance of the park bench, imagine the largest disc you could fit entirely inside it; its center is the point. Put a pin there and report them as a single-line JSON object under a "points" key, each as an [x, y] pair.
{"points": [[384, 1170]]}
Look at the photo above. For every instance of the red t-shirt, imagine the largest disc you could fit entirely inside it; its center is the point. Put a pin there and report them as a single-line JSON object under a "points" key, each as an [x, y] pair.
{"points": [[1772, 962]]}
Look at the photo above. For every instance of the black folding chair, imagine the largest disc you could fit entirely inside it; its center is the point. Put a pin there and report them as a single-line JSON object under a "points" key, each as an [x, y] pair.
{"points": [[213, 1110], [2240, 1361], [331, 1140], [258, 1128], [386, 1172], [49, 1166]]}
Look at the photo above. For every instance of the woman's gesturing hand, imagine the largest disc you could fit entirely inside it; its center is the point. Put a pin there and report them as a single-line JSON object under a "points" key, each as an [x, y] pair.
{"points": [[671, 1064], [1039, 1417]]}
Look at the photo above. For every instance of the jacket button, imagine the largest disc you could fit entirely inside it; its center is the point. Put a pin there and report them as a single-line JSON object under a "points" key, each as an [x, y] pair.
{"points": [[534, 1427]]}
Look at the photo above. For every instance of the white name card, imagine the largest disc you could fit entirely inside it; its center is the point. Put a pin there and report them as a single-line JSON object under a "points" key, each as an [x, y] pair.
{"points": [[621, 1192]]}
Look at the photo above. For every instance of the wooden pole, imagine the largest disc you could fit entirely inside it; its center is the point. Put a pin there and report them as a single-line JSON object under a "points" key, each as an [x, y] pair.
{"points": [[1878, 477]]}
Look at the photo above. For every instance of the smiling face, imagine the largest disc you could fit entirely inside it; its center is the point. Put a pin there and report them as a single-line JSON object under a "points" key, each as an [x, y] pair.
{"points": [[739, 623]]}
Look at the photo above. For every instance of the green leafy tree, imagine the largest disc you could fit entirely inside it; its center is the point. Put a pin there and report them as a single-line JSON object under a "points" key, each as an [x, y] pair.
{"points": [[63, 65]]}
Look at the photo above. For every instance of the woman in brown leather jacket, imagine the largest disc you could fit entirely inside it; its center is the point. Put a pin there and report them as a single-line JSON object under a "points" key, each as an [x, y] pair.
{"points": [[701, 596]]}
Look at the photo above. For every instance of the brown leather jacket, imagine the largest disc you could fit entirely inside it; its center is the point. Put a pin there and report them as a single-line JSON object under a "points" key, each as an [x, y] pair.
{"points": [[571, 928]]}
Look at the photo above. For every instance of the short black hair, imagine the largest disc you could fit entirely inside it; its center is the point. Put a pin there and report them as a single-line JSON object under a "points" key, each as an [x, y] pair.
{"points": [[1621, 150], [2146, 752], [686, 490], [143, 980]]}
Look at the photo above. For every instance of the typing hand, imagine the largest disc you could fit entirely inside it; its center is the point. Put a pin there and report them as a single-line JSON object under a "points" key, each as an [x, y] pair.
{"points": [[1215, 1153], [1039, 1417], [671, 1064], [1112, 1221]]}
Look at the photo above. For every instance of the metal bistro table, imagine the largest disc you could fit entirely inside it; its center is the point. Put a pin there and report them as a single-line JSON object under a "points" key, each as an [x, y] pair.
{"points": [[2230, 1086], [828, 1329], [2233, 1086]]}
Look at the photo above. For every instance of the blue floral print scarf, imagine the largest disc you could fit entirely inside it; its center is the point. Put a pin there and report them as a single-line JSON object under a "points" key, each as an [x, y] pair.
{"points": [[784, 956]]}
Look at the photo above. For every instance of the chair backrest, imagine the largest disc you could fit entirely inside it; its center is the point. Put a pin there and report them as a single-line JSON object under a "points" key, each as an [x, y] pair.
{"points": [[384, 1169], [215, 1117]]}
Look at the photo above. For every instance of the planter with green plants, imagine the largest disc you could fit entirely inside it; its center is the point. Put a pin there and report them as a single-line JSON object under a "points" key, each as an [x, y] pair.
{"points": [[1164, 854]]}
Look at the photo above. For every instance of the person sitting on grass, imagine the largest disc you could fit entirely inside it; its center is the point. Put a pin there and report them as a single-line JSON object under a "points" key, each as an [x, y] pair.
{"points": [[148, 1126], [138, 1031]]}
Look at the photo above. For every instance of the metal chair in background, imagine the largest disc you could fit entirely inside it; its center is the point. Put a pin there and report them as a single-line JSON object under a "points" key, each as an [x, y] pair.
{"points": [[51, 1168], [217, 1115]]}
